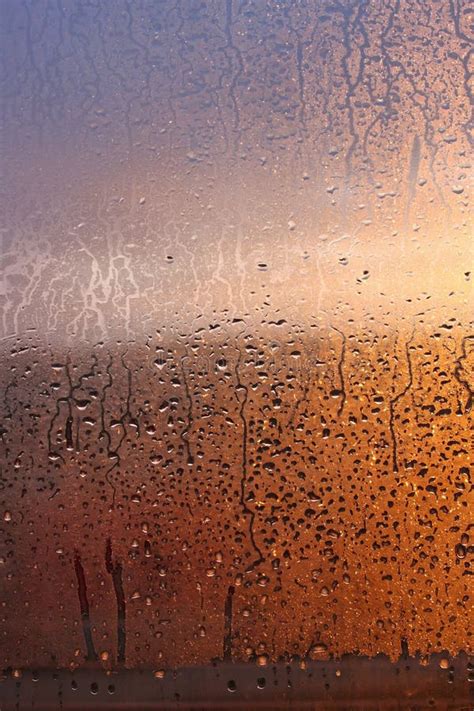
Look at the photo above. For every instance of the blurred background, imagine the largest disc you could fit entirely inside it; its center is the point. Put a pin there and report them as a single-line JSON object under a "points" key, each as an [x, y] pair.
{"points": [[237, 355]]}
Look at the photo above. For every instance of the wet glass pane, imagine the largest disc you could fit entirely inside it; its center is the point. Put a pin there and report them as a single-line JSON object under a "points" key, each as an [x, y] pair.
{"points": [[237, 356]]}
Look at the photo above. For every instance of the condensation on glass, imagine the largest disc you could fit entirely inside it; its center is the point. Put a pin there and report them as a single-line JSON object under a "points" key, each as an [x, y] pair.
{"points": [[237, 353]]}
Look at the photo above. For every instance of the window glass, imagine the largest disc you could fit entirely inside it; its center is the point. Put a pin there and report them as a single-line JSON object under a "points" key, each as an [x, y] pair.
{"points": [[237, 356]]}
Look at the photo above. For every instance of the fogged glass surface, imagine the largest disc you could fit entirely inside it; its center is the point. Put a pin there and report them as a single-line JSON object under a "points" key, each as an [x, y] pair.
{"points": [[237, 356]]}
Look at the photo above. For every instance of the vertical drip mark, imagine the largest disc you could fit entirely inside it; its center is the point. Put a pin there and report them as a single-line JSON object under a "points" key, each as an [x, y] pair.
{"points": [[68, 433], [247, 512], [404, 648], [84, 604], [228, 623], [125, 416], [235, 74], [115, 571], [111, 484], [455, 11], [458, 370], [105, 433], [300, 400], [415, 158], [340, 370], [348, 29]]}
